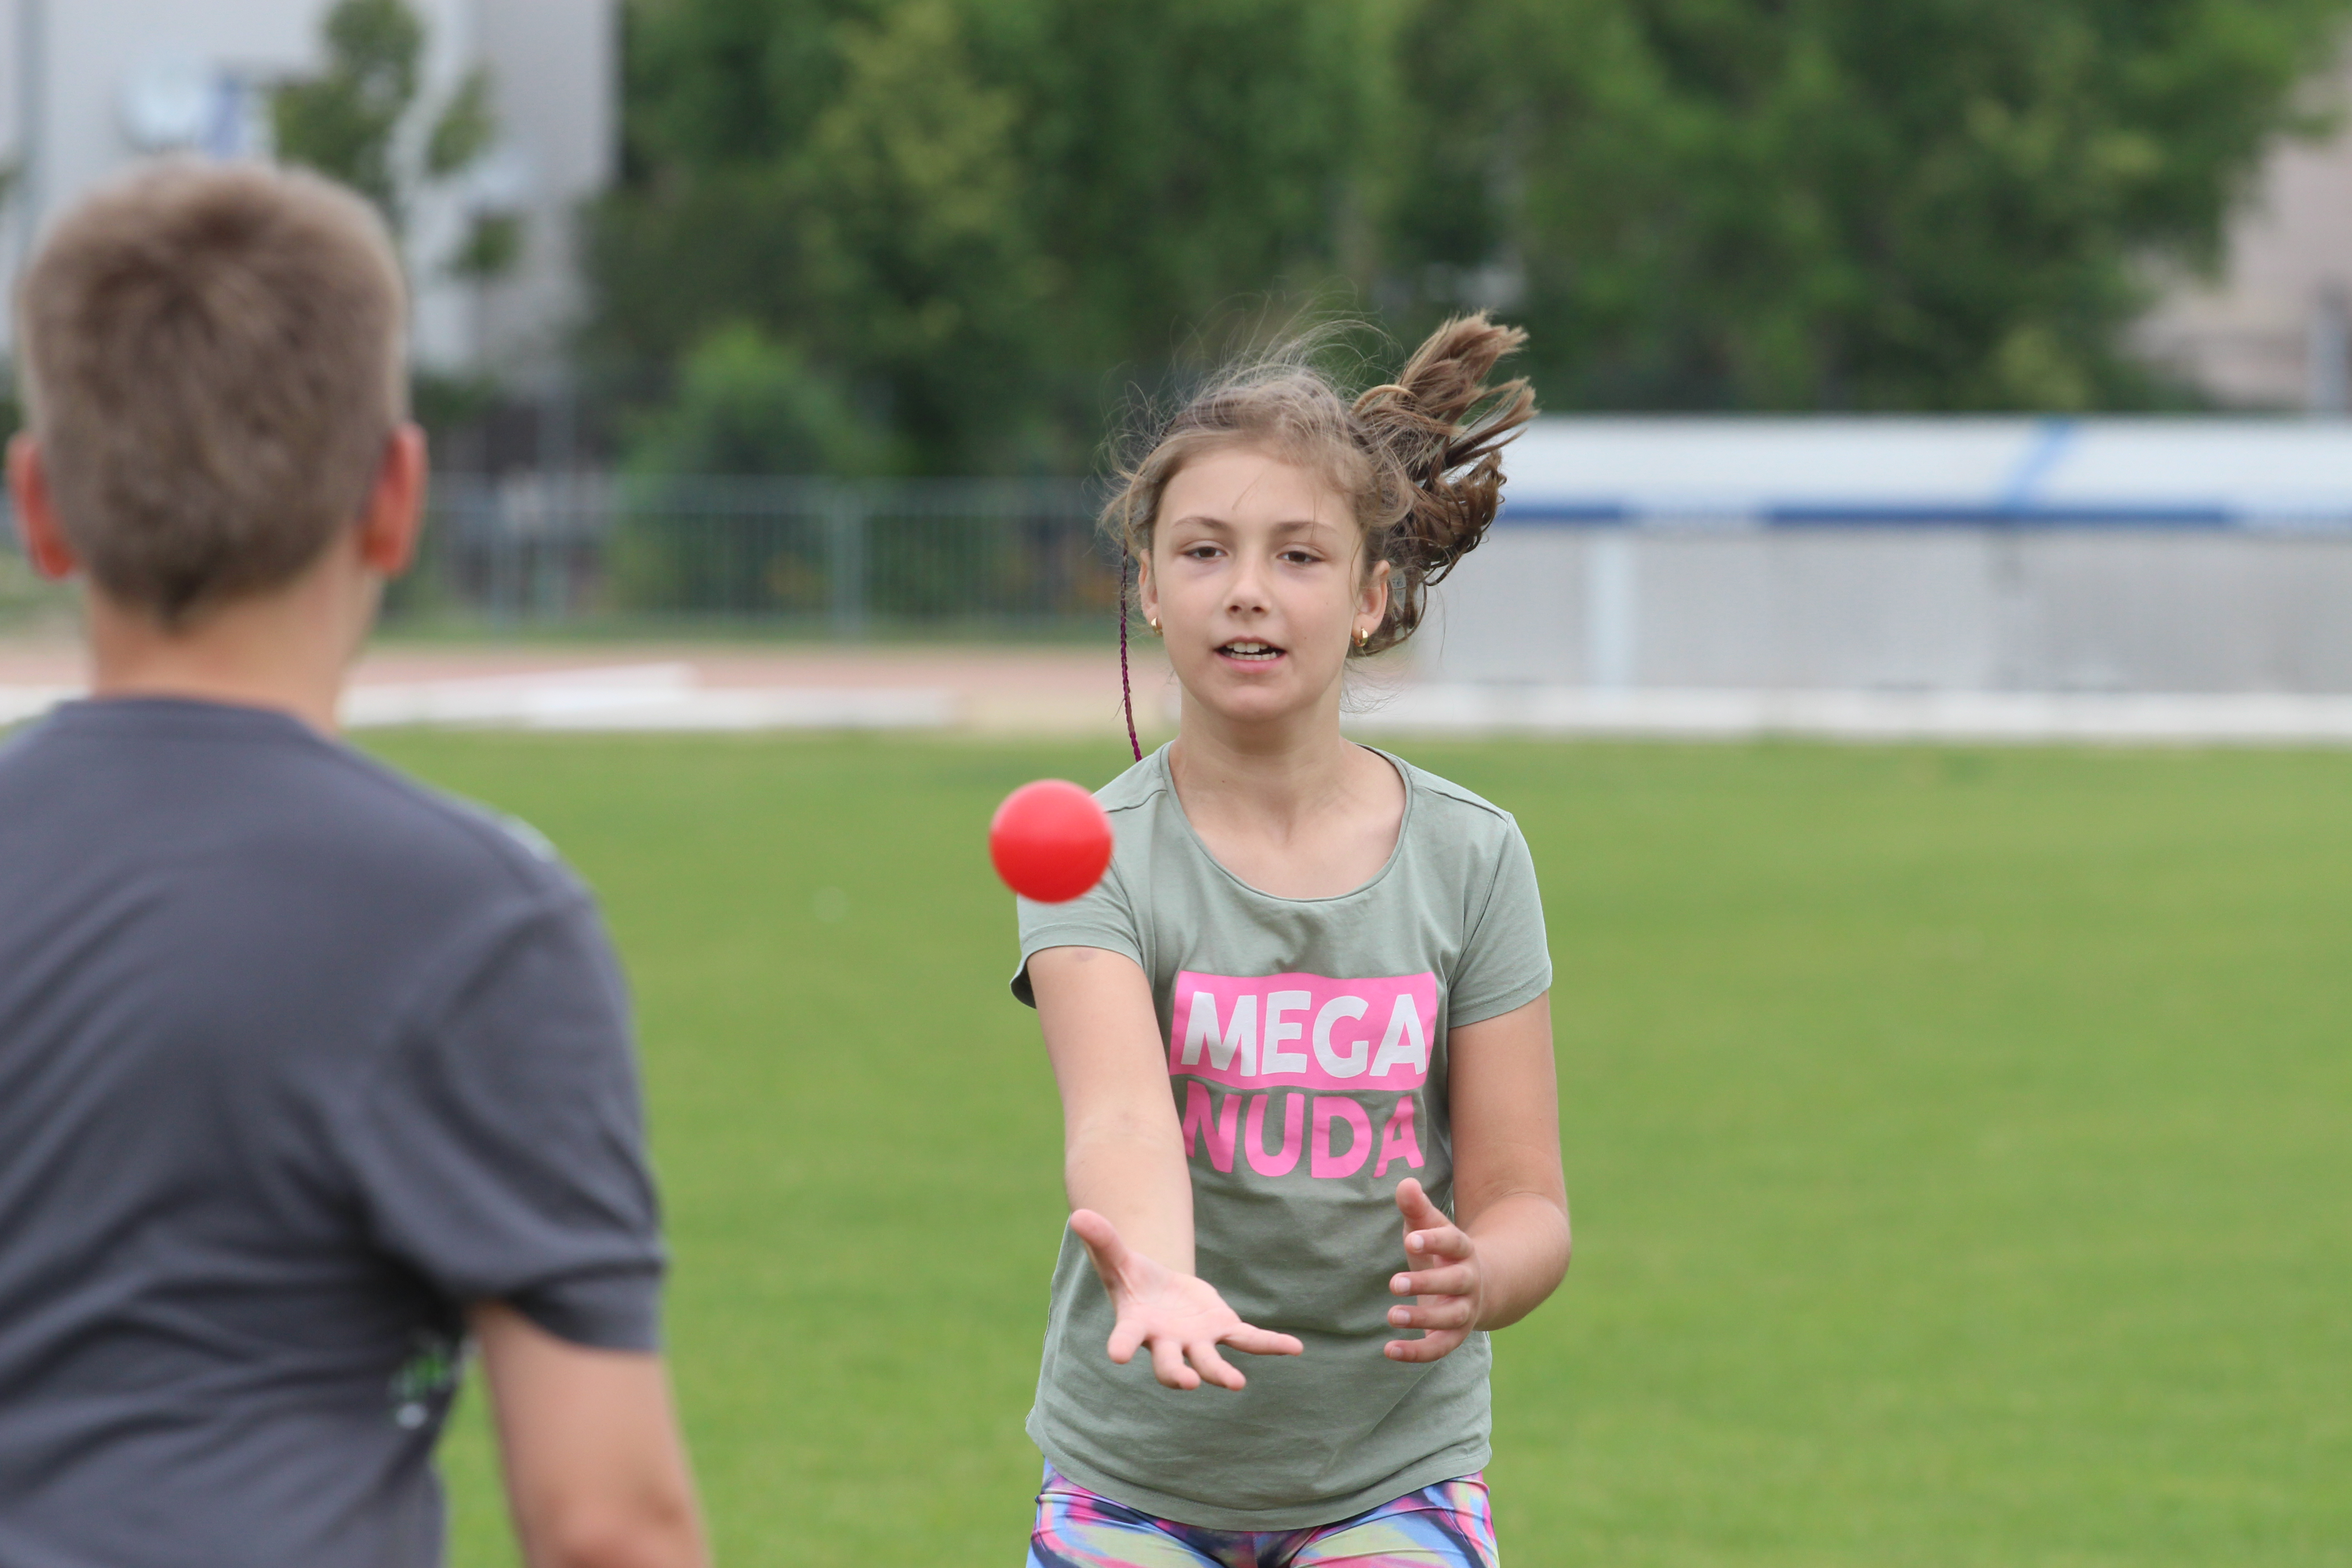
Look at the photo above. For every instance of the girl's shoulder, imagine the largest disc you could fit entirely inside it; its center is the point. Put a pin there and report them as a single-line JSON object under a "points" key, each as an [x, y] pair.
{"points": [[1144, 784], [1445, 809]]}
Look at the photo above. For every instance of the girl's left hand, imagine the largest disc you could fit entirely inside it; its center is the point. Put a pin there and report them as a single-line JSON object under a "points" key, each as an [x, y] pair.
{"points": [[1448, 1279]]}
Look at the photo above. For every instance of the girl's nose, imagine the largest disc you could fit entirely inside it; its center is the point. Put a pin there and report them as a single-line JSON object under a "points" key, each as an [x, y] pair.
{"points": [[1248, 590]]}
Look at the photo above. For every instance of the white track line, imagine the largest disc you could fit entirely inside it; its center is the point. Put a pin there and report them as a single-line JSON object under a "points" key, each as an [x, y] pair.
{"points": [[667, 698], [2018, 718], [648, 697]]}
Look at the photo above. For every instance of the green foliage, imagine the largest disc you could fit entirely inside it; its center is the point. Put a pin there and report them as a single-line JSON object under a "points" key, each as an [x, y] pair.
{"points": [[1956, 1141], [971, 214], [983, 217], [443, 403], [745, 404], [346, 123], [1189, 159], [467, 129], [343, 121], [492, 246], [1856, 203], [748, 404]]}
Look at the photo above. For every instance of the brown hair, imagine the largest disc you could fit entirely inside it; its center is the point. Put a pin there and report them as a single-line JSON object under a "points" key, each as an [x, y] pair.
{"points": [[212, 360], [1418, 458]]}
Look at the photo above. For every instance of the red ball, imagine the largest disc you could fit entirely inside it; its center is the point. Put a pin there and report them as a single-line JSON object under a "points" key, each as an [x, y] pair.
{"points": [[1051, 841]]}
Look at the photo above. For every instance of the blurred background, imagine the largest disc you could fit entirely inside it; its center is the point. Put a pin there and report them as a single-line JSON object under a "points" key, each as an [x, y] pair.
{"points": [[1954, 1113], [813, 318]]}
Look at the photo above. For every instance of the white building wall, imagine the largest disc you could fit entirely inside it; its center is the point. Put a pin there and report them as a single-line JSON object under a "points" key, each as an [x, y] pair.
{"points": [[2274, 328], [69, 68], [559, 70]]}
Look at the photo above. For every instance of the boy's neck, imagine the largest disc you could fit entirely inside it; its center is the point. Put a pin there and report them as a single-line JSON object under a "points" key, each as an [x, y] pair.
{"points": [[287, 650]]}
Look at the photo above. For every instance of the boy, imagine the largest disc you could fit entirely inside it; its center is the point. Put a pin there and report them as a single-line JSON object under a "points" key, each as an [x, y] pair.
{"points": [[305, 1074]]}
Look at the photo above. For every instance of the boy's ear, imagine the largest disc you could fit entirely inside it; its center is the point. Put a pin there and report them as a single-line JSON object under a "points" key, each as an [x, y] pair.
{"points": [[394, 514], [37, 519]]}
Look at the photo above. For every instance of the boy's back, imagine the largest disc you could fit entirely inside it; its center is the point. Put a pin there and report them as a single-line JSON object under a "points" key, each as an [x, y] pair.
{"points": [[307, 1078], [296, 1062]]}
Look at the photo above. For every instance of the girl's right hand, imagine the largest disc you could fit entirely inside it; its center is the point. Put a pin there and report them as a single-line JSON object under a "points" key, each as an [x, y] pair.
{"points": [[1179, 1318]]}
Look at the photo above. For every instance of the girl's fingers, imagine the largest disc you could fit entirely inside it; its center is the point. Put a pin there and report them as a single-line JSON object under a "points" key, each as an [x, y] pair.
{"points": [[1125, 1337], [1261, 1342], [1434, 1346], [1168, 1365], [1455, 1279], [1441, 1241], [1412, 1202], [1102, 1242], [1213, 1367], [1446, 1312]]}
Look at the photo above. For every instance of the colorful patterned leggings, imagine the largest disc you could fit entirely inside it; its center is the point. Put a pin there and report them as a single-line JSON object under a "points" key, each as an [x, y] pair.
{"points": [[1444, 1526]]}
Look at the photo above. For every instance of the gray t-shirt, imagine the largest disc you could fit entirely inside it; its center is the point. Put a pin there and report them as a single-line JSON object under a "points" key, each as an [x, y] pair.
{"points": [[1306, 1054], [296, 1062]]}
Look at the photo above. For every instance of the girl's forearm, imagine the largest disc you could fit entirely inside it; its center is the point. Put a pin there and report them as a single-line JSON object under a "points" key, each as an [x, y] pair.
{"points": [[1134, 1176], [1523, 1246]]}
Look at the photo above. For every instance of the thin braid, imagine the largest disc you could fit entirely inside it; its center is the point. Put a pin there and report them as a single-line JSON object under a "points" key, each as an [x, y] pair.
{"points": [[1126, 688]]}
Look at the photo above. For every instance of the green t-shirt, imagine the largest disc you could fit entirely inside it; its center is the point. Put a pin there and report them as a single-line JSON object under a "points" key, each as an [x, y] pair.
{"points": [[1306, 1052]]}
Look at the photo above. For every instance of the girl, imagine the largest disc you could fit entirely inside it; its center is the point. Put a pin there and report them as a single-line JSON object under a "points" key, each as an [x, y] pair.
{"points": [[1310, 995]]}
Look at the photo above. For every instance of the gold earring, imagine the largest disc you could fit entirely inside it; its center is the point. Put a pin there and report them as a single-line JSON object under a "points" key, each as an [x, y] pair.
{"points": [[1153, 622], [1362, 637]]}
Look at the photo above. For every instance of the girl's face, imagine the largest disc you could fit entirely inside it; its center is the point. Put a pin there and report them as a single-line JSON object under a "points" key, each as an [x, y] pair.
{"points": [[1256, 580]]}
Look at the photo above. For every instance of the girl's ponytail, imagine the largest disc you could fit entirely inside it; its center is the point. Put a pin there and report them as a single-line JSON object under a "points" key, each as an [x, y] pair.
{"points": [[1440, 428]]}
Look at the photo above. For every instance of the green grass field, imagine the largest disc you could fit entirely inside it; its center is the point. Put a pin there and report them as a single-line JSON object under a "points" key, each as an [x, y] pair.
{"points": [[1959, 1144]]}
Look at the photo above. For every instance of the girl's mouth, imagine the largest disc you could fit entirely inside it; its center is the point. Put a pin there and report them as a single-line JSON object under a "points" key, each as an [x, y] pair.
{"points": [[1247, 651]]}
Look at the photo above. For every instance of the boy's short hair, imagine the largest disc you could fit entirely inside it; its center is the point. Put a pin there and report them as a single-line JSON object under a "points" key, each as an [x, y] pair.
{"points": [[212, 356]]}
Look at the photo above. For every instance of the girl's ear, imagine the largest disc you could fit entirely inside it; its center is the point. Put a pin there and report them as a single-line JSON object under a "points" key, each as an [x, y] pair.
{"points": [[1147, 595], [1373, 602]]}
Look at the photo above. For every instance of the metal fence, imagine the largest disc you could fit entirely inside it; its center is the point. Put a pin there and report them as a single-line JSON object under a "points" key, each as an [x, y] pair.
{"points": [[839, 557]]}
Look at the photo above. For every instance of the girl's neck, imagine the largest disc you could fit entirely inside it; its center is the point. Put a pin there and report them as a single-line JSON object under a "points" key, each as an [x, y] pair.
{"points": [[1304, 815], [1274, 773]]}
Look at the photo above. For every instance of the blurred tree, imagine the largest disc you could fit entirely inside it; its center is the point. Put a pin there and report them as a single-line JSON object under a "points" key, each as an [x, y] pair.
{"points": [[971, 219], [1197, 160], [748, 405], [346, 122], [343, 120], [1839, 204], [970, 215]]}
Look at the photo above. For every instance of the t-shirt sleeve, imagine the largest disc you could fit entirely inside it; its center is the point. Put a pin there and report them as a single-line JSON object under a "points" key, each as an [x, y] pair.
{"points": [[500, 1148], [1506, 960], [1101, 917]]}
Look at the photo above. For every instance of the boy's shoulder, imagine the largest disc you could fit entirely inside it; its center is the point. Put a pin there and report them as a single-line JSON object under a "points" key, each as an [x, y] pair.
{"points": [[161, 779], [408, 829], [495, 843]]}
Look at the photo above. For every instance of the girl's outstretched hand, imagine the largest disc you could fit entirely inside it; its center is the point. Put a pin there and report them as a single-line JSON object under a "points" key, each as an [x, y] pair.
{"points": [[1448, 1279], [1178, 1317]]}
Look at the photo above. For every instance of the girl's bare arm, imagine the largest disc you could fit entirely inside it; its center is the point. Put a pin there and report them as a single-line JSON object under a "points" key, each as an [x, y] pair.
{"points": [[1123, 1165], [1122, 1149]]}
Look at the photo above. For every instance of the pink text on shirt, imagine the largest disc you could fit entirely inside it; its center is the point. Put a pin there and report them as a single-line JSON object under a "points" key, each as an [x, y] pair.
{"points": [[1304, 1031]]}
